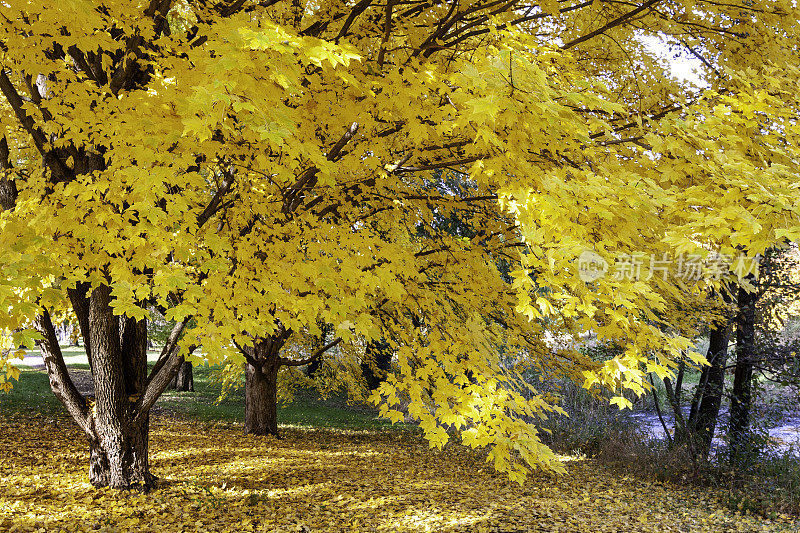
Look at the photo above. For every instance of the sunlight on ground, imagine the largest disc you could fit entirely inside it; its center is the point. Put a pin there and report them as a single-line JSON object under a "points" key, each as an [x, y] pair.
{"points": [[216, 479]]}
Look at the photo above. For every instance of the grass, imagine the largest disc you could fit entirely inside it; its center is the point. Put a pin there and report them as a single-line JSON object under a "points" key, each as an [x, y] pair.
{"points": [[306, 410], [32, 395]]}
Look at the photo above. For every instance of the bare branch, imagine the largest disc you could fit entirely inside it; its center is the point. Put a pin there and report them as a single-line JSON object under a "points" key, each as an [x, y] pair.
{"points": [[290, 362], [216, 200], [168, 348], [443, 164], [387, 32], [614, 23], [60, 381], [80, 304], [158, 384], [57, 166], [359, 8], [247, 355], [333, 154]]}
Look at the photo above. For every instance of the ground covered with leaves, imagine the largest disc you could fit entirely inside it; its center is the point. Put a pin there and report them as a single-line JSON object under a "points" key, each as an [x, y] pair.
{"points": [[213, 478]]}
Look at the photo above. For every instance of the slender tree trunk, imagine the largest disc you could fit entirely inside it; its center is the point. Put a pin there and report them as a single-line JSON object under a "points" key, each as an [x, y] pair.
{"points": [[261, 400], [681, 427], [184, 379], [741, 394], [704, 422]]}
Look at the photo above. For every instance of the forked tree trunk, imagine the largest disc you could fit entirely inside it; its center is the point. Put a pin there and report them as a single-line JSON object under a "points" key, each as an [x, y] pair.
{"points": [[262, 363], [118, 451], [184, 379], [115, 421]]}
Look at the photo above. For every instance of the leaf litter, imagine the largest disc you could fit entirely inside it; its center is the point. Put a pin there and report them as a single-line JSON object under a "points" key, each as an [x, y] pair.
{"points": [[214, 478]]}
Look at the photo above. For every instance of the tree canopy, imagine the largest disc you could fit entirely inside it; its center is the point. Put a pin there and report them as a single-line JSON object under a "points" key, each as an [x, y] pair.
{"points": [[268, 166]]}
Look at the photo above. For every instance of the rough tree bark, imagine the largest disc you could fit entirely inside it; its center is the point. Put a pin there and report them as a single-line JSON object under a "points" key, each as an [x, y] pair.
{"points": [[262, 364], [116, 348], [184, 379], [8, 187], [116, 420], [741, 395], [261, 387]]}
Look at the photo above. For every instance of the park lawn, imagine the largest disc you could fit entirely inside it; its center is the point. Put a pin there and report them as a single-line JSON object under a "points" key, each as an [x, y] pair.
{"points": [[32, 395]]}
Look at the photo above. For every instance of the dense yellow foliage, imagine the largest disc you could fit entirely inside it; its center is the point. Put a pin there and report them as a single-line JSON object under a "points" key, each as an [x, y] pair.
{"points": [[215, 479], [265, 165]]}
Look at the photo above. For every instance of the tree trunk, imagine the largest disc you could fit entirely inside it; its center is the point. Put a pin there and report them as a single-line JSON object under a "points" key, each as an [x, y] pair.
{"points": [[119, 459], [184, 379], [743, 374], [116, 430], [704, 422], [312, 367], [118, 445], [261, 400], [377, 363]]}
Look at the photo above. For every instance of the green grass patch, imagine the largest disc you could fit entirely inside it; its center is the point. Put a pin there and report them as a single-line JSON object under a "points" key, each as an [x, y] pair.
{"points": [[307, 409], [32, 395]]}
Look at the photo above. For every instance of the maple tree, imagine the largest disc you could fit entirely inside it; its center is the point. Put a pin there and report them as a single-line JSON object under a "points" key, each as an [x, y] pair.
{"points": [[261, 167]]}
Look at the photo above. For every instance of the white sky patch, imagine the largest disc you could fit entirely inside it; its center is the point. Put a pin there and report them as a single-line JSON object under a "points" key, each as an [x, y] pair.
{"points": [[682, 64]]}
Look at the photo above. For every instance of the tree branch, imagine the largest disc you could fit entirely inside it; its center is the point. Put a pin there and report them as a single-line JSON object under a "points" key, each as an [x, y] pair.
{"points": [[387, 32], [290, 362], [57, 166], [248, 357], [443, 164], [614, 23], [216, 200], [80, 304], [333, 154], [8, 188], [60, 381], [168, 348], [158, 384], [351, 17]]}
